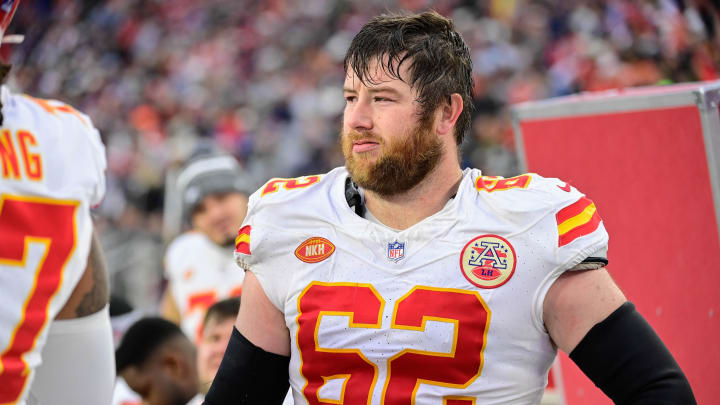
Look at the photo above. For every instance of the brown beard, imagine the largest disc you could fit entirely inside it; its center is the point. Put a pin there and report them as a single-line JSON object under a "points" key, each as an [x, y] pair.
{"points": [[404, 162]]}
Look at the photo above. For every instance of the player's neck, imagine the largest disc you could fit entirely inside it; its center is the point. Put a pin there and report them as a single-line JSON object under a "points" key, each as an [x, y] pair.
{"points": [[404, 210]]}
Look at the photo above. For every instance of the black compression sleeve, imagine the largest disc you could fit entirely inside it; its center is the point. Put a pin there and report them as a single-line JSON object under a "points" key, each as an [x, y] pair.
{"points": [[626, 359], [248, 375]]}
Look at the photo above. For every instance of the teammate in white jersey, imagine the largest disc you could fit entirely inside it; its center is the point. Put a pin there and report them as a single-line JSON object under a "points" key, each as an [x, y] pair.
{"points": [[55, 336], [199, 264], [429, 284]]}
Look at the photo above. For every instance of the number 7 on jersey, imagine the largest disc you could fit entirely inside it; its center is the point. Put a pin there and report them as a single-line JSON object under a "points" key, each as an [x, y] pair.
{"points": [[26, 220]]}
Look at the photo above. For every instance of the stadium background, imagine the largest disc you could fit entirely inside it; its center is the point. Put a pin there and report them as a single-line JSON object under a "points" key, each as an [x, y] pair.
{"points": [[261, 79]]}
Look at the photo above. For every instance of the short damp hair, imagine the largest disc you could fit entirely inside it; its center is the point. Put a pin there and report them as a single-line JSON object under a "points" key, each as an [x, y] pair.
{"points": [[440, 62], [223, 309]]}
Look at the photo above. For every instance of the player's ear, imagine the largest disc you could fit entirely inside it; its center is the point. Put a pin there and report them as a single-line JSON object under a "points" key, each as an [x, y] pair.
{"points": [[136, 379], [181, 361], [174, 363], [448, 114]]}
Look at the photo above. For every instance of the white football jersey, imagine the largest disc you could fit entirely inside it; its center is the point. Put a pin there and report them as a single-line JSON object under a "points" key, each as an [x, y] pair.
{"points": [[448, 311], [200, 273], [52, 171]]}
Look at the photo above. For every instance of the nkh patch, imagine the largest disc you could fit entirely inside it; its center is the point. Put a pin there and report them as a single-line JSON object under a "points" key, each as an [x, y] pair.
{"points": [[242, 241], [488, 261], [314, 250], [395, 251]]}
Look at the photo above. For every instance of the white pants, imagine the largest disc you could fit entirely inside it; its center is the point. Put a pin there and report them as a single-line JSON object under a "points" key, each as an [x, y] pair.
{"points": [[78, 363]]}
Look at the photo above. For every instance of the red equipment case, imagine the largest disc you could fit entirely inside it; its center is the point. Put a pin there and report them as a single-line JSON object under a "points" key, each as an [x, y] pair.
{"points": [[650, 159]]}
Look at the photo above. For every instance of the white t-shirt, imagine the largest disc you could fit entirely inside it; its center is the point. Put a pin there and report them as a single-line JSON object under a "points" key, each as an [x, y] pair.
{"points": [[448, 309], [124, 395], [52, 170]]}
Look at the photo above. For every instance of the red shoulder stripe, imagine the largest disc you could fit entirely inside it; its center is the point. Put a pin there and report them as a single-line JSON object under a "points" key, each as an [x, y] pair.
{"points": [[581, 230], [242, 242], [572, 210]]}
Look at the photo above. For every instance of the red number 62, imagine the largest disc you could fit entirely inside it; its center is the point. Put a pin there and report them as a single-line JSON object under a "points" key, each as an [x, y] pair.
{"points": [[407, 369]]}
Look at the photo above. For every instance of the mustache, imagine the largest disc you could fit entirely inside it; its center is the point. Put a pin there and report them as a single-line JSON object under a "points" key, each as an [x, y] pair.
{"points": [[353, 136]]}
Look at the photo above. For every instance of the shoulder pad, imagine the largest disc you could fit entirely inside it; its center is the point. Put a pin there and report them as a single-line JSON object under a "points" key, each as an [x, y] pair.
{"points": [[277, 203], [528, 192], [282, 191], [58, 109], [285, 187]]}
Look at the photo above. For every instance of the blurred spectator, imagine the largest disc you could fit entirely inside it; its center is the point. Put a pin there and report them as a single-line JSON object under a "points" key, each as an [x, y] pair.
{"points": [[260, 79], [158, 362]]}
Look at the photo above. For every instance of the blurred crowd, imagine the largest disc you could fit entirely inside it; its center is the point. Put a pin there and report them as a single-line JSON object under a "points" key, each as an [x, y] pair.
{"points": [[262, 79]]}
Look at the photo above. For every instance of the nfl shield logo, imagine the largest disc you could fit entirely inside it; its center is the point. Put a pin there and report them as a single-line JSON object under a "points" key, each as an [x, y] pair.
{"points": [[396, 251]]}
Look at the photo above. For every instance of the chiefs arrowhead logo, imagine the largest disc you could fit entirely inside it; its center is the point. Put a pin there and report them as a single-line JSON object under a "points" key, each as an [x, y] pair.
{"points": [[314, 250]]}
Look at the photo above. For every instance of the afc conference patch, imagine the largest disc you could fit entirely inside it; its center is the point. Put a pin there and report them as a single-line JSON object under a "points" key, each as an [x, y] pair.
{"points": [[488, 261], [395, 251]]}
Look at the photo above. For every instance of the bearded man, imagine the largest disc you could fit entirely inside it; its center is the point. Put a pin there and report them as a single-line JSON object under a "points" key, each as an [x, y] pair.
{"points": [[403, 279]]}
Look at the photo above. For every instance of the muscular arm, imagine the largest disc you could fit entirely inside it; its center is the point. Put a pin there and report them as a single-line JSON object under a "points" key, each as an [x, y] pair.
{"points": [[259, 321], [589, 318], [91, 292], [576, 302], [254, 369]]}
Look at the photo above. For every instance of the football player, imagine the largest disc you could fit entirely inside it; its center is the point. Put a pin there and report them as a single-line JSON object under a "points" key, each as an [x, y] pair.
{"points": [[199, 263], [55, 335], [158, 362], [403, 279]]}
